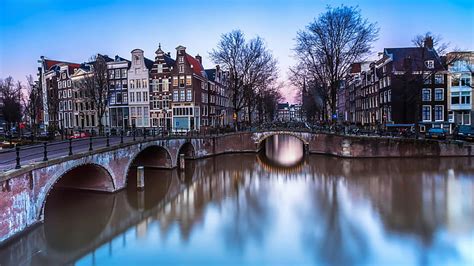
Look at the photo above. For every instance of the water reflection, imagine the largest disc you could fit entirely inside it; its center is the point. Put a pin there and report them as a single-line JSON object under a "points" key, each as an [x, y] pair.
{"points": [[235, 209], [284, 150]]}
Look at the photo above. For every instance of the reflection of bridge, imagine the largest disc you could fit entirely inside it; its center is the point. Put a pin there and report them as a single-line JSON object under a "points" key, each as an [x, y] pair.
{"points": [[24, 191], [184, 196]]}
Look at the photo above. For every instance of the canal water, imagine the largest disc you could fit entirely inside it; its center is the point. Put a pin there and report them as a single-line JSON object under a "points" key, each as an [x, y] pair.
{"points": [[279, 207]]}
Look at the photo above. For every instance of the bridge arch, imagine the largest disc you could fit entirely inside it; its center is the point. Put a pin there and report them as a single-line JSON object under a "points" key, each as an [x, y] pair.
{"points": [[79, 175], [187, 148], [152, 155], [261, 137]]}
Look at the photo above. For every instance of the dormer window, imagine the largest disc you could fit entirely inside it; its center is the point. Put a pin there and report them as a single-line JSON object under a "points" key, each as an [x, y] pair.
{"points": [[429, 64]]}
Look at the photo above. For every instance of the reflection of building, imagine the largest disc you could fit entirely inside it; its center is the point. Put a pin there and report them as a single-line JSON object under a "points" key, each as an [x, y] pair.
{"points": [[460, 103]]}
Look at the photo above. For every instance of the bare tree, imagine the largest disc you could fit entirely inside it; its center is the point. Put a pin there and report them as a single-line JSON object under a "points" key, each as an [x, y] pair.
{"points": [[96, 86], [251, 67], [330, 44], [10, 93], [32, 103]]}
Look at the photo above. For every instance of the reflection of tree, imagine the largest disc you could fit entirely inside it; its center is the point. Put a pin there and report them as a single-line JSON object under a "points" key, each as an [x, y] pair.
{"points": [[250, 209], [409, 195], [338, 240]]}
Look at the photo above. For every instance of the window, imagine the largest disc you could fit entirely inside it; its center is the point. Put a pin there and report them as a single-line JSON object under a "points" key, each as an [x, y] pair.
{"points": [[125, 98], [188, 80], [181, 95], [160, 68], [132, 84], [426, 113], [451, 117], [439, 94], [427, 79], [175, 96], [181, 68], [63, 75], [139, 96], [454, 81], [465, 81], [426, 95], [119, 98], [117, 73], [165, 85], [132, 97], [145, 83], [439, 79], [189, 95], [181, 81], [181, 59], [455, 97], [439, 113], [124, 73], [429, 64], [175, 81], [145, 96], [466, 97], [466, 118], [69, 83]]}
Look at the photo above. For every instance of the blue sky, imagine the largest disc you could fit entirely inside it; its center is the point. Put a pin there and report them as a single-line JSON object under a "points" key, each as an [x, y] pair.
{"points": [[75, 30]]}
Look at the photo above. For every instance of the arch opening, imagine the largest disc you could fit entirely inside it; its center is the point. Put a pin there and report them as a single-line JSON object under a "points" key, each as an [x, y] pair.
{"points": [[282, 150], [187, 149], [72, 195], [153, 157], [86, 177]]}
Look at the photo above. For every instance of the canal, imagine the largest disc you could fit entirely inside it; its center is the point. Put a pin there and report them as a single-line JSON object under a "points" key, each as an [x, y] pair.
{"points": [[278, 207]]}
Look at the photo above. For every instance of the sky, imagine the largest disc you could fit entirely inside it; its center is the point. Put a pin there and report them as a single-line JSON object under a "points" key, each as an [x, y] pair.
{"points": [[75, 30]]}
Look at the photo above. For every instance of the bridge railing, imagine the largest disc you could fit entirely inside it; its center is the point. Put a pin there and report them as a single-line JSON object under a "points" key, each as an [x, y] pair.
{"points": [[16, 157]]}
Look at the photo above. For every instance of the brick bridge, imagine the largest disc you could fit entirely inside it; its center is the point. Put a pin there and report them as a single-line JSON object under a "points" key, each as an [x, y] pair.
{"points": [[24, 191]]}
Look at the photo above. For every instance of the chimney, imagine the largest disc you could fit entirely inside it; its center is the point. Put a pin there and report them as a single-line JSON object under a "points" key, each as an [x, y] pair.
{"points": [[199, 58], [428, 43]]}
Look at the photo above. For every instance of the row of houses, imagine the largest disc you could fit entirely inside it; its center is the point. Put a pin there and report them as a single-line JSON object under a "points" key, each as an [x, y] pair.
{"points": [[409, 86], [168, 93]]}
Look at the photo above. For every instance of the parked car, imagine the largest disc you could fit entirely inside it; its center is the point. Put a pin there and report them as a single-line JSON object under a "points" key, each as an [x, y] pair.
{"points": [[435, 133], [464, 132], [80, 135]]}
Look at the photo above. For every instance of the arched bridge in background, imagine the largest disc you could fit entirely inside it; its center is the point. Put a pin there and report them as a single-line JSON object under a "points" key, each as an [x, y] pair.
{"points": [[24, 191]]}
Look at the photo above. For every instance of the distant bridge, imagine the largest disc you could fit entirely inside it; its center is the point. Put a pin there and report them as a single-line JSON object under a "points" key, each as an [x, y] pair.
{"points": [[106, 165]]}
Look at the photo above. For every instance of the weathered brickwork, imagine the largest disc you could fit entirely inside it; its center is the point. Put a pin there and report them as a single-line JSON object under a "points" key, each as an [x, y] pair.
{"points": [[24, 192]]}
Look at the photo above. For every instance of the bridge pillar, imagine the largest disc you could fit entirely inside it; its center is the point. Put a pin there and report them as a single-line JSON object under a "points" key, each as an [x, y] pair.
{"points": [[181, 162], [140, 177]]}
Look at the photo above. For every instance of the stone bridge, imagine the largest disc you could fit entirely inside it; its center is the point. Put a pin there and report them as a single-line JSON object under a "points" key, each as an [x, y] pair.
{"points": [[24, 191]]}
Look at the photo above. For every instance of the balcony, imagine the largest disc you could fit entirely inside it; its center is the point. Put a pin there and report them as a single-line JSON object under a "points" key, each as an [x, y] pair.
{"points": [[455, 107]]}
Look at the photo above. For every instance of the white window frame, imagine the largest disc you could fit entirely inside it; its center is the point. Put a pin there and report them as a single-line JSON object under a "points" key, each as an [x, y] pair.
{"points": [[442, 112], [423, 94], [422, 112], [442, 94]]}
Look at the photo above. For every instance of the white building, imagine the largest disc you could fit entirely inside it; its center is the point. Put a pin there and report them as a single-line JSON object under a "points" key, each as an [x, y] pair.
{"points": [[138, 90], [460, 104]]}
